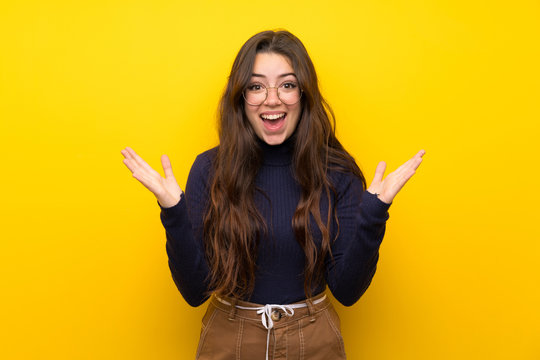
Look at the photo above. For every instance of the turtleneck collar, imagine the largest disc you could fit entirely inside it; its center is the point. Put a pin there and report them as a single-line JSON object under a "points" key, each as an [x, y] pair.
{"points": [[277, 155]]}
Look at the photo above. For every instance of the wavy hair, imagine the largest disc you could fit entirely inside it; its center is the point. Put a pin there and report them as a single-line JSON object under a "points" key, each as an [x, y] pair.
{"points": [[232, 224]]}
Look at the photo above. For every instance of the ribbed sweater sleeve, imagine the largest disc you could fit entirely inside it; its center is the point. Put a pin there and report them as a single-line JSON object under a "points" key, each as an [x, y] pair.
{"points": [[362, 220], [183, 229]]}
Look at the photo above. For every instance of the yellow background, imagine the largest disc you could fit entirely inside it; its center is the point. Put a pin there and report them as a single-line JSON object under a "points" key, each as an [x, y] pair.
{"points": [[82, 258]]}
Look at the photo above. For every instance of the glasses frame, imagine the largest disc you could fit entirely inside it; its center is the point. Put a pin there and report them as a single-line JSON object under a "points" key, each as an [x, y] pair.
{"points": [[277, 92]]}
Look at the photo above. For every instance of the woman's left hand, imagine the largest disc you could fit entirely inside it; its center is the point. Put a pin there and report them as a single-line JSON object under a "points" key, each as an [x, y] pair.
{"points": [[388, 188]]}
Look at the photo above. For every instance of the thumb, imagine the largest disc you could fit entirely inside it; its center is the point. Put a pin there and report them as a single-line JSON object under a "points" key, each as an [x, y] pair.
{"points": [[379, 172], [167, 168]]}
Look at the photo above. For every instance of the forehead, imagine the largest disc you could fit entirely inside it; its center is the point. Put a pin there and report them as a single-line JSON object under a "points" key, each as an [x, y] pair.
{"points": [[271, 65]]}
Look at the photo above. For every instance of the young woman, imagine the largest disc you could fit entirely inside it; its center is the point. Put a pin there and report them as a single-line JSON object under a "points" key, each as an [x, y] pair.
{"points": [[273, 215]]}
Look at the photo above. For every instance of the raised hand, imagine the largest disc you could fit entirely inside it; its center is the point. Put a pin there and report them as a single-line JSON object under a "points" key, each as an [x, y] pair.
{"points": [[388, 188], [166, 190]]}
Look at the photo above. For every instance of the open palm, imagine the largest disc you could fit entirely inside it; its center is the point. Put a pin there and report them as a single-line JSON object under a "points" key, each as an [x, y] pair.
{"points": [[388, 188], [165, 189]]}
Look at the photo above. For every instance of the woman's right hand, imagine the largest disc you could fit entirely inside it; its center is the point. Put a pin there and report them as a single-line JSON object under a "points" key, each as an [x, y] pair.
{"points": [[166, 190]]}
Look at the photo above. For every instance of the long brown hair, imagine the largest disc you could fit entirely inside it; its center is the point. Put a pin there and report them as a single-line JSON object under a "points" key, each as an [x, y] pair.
{"points": [[233, 225]]}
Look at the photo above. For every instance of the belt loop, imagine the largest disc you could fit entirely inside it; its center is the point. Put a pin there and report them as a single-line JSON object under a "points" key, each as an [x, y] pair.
{"points": [[311, 310], [232, 313]]}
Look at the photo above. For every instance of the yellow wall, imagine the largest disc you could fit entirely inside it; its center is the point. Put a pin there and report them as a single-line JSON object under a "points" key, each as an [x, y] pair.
{"points": [[82, 257]]}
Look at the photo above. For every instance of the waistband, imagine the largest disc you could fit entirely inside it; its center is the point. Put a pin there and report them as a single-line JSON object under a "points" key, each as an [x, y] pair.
{"points": [[270, 315], [253, 311]]}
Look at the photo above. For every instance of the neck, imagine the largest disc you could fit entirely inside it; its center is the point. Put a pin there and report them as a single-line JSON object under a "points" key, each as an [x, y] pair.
{"points": [[277, 154]]}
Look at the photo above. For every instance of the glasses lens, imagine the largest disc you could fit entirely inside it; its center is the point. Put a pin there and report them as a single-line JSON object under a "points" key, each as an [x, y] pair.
{"points": [[255, 94], [288, 93]]}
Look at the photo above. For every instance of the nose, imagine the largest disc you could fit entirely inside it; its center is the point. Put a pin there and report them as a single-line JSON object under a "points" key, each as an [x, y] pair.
{"points": [[272, 99]]}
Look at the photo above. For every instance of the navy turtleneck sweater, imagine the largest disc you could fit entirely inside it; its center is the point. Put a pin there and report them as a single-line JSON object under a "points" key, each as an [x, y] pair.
{"points": [[280, 263]]}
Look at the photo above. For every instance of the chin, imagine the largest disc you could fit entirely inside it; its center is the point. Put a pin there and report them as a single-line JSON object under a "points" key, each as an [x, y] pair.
{"points": [[274, 139]]}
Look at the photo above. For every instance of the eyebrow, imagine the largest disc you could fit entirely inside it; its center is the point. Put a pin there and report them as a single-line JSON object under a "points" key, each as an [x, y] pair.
{"points": [[280, 76]]}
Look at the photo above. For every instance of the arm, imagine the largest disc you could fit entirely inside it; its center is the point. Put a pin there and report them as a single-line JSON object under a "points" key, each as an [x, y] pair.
{"points": [[183, 228], [183, 247], [362, 217], [362, 221]]}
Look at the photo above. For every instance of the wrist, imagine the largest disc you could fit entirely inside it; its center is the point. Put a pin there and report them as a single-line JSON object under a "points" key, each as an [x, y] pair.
{"points": [[383, 199], [380, 196], [169, 201]]}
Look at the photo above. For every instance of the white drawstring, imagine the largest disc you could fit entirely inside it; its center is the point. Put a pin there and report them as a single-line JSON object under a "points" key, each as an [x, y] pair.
{"points": [[266, 314]]}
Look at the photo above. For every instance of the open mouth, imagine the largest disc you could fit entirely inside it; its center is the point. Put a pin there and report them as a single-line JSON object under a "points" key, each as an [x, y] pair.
{"points": [[273, 122]]}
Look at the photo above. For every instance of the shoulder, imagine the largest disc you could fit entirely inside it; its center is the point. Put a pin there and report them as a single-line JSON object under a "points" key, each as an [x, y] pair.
{"points": [[340, 177], [199, 177], [203, 161], [207, 156], [346, 183], [202, 168]]}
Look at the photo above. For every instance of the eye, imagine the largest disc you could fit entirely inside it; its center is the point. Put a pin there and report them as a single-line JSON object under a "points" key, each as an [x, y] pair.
{"points": [[255, 87], [289, 85]]}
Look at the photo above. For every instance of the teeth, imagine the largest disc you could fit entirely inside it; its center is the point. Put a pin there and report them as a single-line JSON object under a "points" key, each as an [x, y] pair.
{"points": [[272, 117]]}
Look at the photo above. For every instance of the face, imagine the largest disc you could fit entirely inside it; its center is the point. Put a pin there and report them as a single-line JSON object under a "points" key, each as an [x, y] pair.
{"points": [[273, 121]]}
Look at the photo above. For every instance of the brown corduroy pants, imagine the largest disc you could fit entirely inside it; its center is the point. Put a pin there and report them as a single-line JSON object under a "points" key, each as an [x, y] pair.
{"points": [[230, 333]]}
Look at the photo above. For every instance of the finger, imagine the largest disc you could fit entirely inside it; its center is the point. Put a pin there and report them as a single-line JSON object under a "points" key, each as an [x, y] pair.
{"points": [[130, 162], [147, 181], [402, 178], [129, 165], [416, 163], [167, 168], [127, 154], [379, 172], [139, 173], [139, 160], [406, 164], [416, 160], [141, 176], [412, 163]]}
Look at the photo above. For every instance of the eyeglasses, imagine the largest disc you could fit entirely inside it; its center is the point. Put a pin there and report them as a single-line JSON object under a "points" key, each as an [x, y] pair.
{"points": [[288, 93]]}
